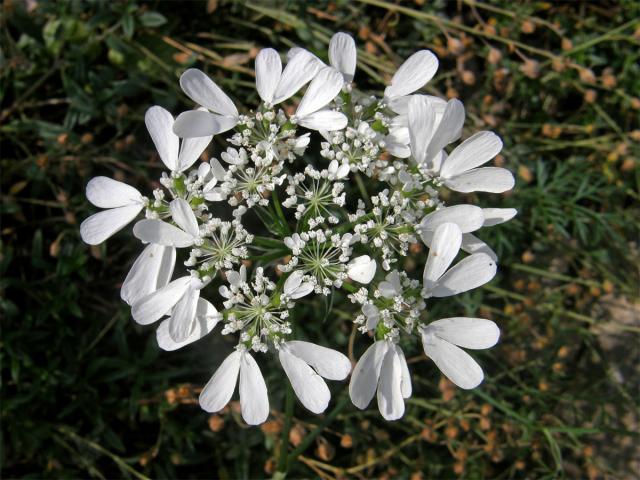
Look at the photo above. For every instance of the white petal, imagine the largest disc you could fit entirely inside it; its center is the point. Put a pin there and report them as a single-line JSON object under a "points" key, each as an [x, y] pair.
{"points": [[373, 315], [105, 192], [390, 400], [303, 290], [293, 281], [456, 364], [324, 120], [202, 90], [159, 303], [151, 270], [406, 376], [217, 169], [207, 318], [487, 179], [102, 225], [254, 401], [444, 247], [159, 122], [468, 218], [421, 126], [496, 216], [323, 88], [329, 363], [218, 391], [362, 269], [475, 333], [472, 244], [190, 151], [413, 74], [196, 123], [309, 387], [342, 55], [268, 71], [449, 129], [397, 149], [300, 69], [469, 273], [183, 215], [364, 379], [183, 318], [161, 233], [473, 152]]}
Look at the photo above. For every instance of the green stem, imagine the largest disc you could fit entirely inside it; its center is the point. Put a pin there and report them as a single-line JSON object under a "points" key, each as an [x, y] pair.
{"points": [[283, 464]]}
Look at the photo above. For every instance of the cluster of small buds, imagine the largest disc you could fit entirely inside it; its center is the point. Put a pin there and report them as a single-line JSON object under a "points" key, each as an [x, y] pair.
{"points": [[392, 153]]}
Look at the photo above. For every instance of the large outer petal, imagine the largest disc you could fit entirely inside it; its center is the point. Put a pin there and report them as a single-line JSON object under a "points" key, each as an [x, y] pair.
{"points": [[190, 151], [162, 233], [342, 55], [254, 401], [390, 399], [159, 303], [472, 244], [160, 126], [268, 72], [309, 387], [413, 74], [475, 333], [105, 192], [329, 363], [406, 376], [183, 318], [183, 215], [219, 389], [102, 225], [300, 69], [364, 380], [202, 90], [449, 129], [444, 247], [468, 218], [469, 273], [496, 216], [196, 123], [473, 152], [422, 119], [328, 120], [323, 88], [207, 317], [487, 179], [151, 270], [456, 364]]}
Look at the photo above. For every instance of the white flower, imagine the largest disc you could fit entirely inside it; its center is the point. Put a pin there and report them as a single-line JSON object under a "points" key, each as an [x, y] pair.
{"points": [[440, 338], [362, 269], [459, 170], [382, 368], [254, 402], [342, 55], [179, 299], [471, 272], [412, 75], [294, 286], [207, 317], [324, 87], [297, 359], [222, 114], [177, 157], [186, 234], [337, 171], [123, 202], [391, 286], [151, 271]]}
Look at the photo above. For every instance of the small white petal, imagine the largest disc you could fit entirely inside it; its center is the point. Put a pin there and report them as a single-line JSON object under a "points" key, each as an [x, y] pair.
{"points": [[300, 69], [102, 225], [183, 318], [362, 269], [159, 123], [474, 333], [207, 317], [468, 218], [487, 179], [364, 379], [196, 123], [390, 399], [202, 90], [219, 389], [373, 315], [217, 169], [473, 152], [471, 272], [159, 303], [105, 192], [496, 216], [324, 120], [183, 215], [329, 363], [293, 281], [449, 129], [151, 270], [456, 364], [444, 247], [190, 151], [254, 401], [268, 72], [413, 74], [162, 233], [325, 86], [342, 55], [391, 287], [472, 244], [309, 387]]}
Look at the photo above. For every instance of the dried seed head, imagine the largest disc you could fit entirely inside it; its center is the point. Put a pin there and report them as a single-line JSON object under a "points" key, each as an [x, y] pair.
{"points": [[528, 257], [468, 77], [486, 409], [297, 434], [454, 46], [525, 174], [346, 441], [324, 450], [609, 80], [566, 44], [530, 68], [86, 138], [271, 427], [527, 27], [216, 423]]}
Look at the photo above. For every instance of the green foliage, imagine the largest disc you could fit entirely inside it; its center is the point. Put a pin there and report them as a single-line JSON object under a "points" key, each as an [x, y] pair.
{"points": [[86, 393]]}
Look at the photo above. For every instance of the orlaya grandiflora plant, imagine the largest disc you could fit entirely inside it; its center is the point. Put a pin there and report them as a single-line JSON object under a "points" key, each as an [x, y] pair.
{"points": [[265, 256]]}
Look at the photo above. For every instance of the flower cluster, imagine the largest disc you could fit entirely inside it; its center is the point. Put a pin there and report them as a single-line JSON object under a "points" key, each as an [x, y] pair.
{"points": [[294, 225]]}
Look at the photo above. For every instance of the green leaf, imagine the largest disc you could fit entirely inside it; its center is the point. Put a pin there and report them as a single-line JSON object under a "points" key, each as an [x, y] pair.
{"points": [[152, 19]]}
